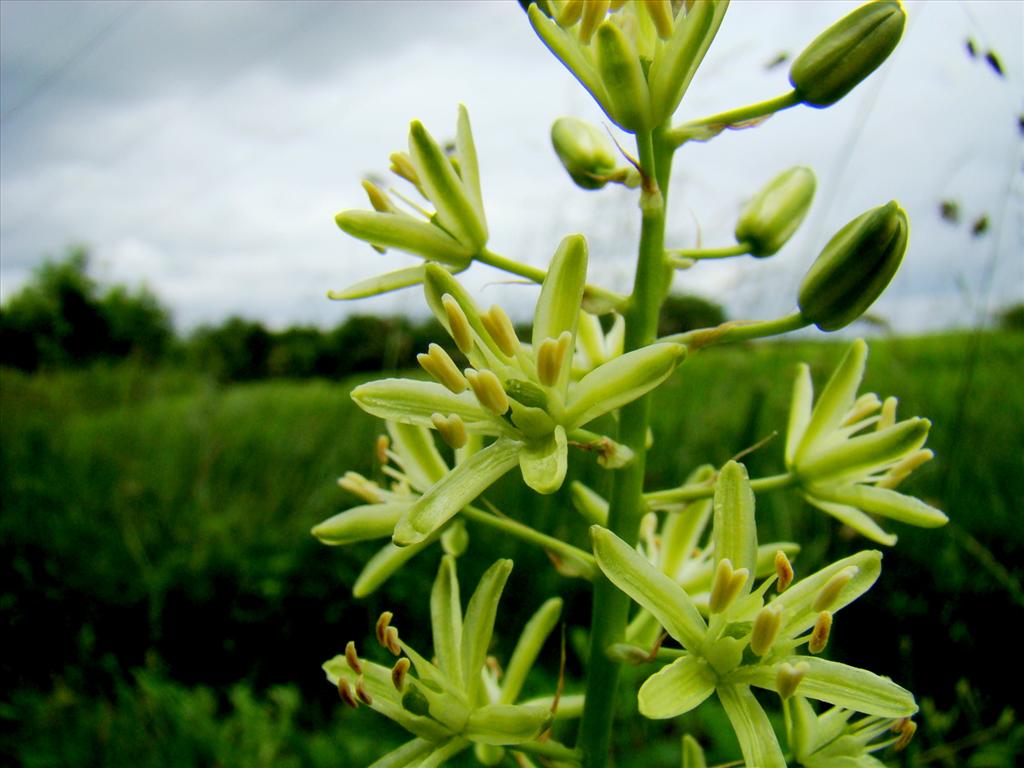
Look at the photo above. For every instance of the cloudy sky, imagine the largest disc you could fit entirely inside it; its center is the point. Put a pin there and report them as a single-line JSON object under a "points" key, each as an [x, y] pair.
{"points": [[202, 148]]}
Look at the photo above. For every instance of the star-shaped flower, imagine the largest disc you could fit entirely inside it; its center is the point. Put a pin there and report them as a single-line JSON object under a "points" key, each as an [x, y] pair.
{"points": [[748, 639]]}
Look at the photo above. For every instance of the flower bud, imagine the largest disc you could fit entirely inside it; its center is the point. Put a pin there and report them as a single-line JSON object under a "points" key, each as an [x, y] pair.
{"points": [[854, 267], [847, 52], [585, 151], [771, 218]]}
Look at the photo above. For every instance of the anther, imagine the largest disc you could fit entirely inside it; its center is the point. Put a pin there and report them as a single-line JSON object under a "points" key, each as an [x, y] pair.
{"points": [[902, 470], [500, 329], [358, 485], [766, 629], [592, 15], [888, 417], [345, 691], [401, 165], [660, 12], [352, 658], [570, 13], [440, 365], [906, 729], [551, 358], [783, 571], [381, 449], [830, 592], [382, 626], [727, 585], [391, 641], [452, 429], [378, 199], [362, 693], [488, 390], [863, 407], [398, 673], [789, 677], [458, 324], [820, 633]]}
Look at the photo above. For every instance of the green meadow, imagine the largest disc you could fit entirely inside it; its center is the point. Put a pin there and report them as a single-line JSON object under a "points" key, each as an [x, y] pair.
{"points": [[164, 604]]}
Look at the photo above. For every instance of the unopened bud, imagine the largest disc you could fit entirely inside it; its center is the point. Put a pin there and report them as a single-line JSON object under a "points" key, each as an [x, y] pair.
{"points": [[766, 629], [628, 96], [727, 585], [382, 626], [458, 323], [585, 151], [820, 633], [854, 268], [345, 691], [771, 218], [398, 673], [843, 55], [488, 390], [499, 327], [451, 428], [830, 592], [551, 358], [783, 571], [789, 677], [352, 658], [440, 365]]}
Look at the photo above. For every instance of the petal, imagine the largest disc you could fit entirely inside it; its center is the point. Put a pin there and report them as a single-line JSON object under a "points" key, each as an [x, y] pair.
{"points": [[799, 411], [677, 688], [446, 620], [852, 517], [479, 624], [382, 565], [797, 601], [469, 167], [444, 752], [653, 590], [406, 234], [528, 648], [457, 489], [558, 308], [436, 283], [886, 502], [693, 753], [406, 756], [734, 533], [544, 462], [837, 684], [413, 402], [621, 380], [367, 521], [507, 723], [860, 455], [835, 400], [682, 531], [567, 50], [753, 731], [374, 286], [421, 461]]}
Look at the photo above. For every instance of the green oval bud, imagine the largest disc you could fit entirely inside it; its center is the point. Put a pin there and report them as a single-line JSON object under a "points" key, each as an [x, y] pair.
{"points": [[854, 267], [629, 99], [585, 151], [847, 52], [771, 218]]}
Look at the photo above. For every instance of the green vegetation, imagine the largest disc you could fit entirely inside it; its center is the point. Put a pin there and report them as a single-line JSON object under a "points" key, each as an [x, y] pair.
{"points": [[156, 528]]}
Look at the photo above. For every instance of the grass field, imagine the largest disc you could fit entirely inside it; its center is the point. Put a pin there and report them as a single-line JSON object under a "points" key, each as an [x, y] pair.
{"points": [[165, 605]]}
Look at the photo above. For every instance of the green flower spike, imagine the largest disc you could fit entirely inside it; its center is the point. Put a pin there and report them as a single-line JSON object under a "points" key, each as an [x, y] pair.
{"points": [[747, 639], [832, 740], [455, 701], [452, 235], [525, 397], [847, 52], [636, 58], [849, 453]]}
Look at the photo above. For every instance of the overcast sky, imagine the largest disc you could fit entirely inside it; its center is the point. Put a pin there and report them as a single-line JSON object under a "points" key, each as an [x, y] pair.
{"points": [[203, 148]]}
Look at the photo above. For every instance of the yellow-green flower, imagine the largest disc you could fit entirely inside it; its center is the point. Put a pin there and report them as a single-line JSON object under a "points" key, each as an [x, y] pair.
{"points": [[749, 639], [847, 454], [833, 739]]}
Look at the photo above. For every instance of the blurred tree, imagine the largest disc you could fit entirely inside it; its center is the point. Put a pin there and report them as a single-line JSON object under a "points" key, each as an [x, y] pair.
{"points": [[686, 313], [237, 350], [1012, 318]]}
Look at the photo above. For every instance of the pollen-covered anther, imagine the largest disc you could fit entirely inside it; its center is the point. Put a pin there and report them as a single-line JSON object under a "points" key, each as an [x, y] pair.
{"points": [[904, 467], [345, 691], [488, 390], [352, 658], [783, 571], [440, 365], [500, 328], [789, 677], [362, 693], [391, 641], [381, 447], [401, 165], [382, 626], [551, 357], [830, 592], [766, 629], [451, 428], [398, 673], [727, 585], [820, 633], [458, 324], [906, 728]]}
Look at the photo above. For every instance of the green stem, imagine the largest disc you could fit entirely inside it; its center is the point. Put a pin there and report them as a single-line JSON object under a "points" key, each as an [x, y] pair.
{"points": [[600, 295], [683, 133], [695, 491], [525, 533], [739, 330], [740, 249], [611, 606], [551, 749]]}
